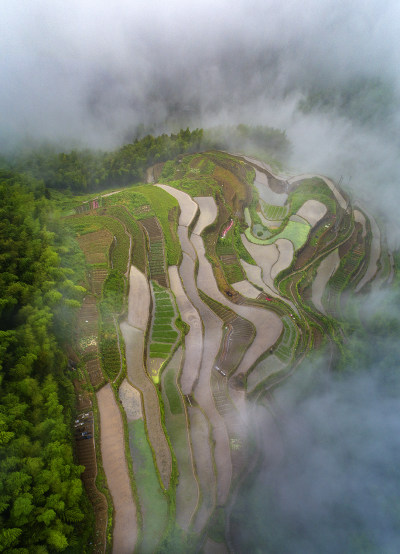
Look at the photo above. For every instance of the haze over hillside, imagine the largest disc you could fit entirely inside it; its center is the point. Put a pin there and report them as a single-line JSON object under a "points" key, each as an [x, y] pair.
{"points": [[93, 72], [99, 74]]}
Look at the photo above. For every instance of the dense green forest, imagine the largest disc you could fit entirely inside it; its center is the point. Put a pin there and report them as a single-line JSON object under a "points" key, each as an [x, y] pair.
{"points": [[89, 170], [42, 503]]}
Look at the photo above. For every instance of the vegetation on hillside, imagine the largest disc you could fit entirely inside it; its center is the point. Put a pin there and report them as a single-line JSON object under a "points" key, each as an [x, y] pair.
{"points": [[42, 503]]}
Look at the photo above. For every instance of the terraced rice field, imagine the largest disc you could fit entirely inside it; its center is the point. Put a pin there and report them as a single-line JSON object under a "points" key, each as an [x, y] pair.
{"points": [[153, 502], [164, 334], [176, 421], [186, 402], [156, 253], [287, 344]]}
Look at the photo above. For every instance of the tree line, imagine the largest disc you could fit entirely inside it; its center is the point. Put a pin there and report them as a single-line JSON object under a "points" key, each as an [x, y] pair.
{"points": [[89, 170]]}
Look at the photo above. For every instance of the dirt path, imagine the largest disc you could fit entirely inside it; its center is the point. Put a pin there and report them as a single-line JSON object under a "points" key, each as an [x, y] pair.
{"points": [[375, 253], [194, 339], [208, 213], [113, 455], [138, 299], [325, 270]]}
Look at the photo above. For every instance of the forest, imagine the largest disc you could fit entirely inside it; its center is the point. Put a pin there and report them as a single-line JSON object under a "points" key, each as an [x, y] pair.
{"points": [[42, 505], [89, 170]]}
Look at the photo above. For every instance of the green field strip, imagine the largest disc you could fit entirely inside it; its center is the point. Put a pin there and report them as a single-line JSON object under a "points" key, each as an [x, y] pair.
{"points": [[289, 339], [163, 335], [120, 248], [312, 189], [294, 231], [153, 502], [273, 213], [187, 489], [138, 242]]}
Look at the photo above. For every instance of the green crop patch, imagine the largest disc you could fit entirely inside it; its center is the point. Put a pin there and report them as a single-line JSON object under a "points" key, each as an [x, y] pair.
{"points": [[152, 500], [315, 189], [174, 398], [274, 213], [294, 231]]}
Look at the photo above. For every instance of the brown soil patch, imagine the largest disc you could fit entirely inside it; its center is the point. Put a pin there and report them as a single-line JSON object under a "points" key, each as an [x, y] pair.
{"points": [[115, 467], [95, 246]]}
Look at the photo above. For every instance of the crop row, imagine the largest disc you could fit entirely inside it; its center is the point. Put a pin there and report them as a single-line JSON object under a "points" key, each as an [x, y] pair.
{"points": [[138, 246], [286, 346], [163, 333], [274, 212]]}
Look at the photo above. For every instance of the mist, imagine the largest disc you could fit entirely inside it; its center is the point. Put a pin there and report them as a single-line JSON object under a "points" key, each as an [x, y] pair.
{"points": [[329, 476], [88, 74]]}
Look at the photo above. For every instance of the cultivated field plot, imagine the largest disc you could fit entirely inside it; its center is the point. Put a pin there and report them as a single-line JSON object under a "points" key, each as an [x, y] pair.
{"points": [[238, 335], [116, 470], [153, 501], [97, 277], [274, 213], [138, 377], [286, 252], [187, 490], [164, 335], [208, 213], [194, 338], [156, 254], [96, 246], [288, 342], [245, 288], [312, 211]]}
